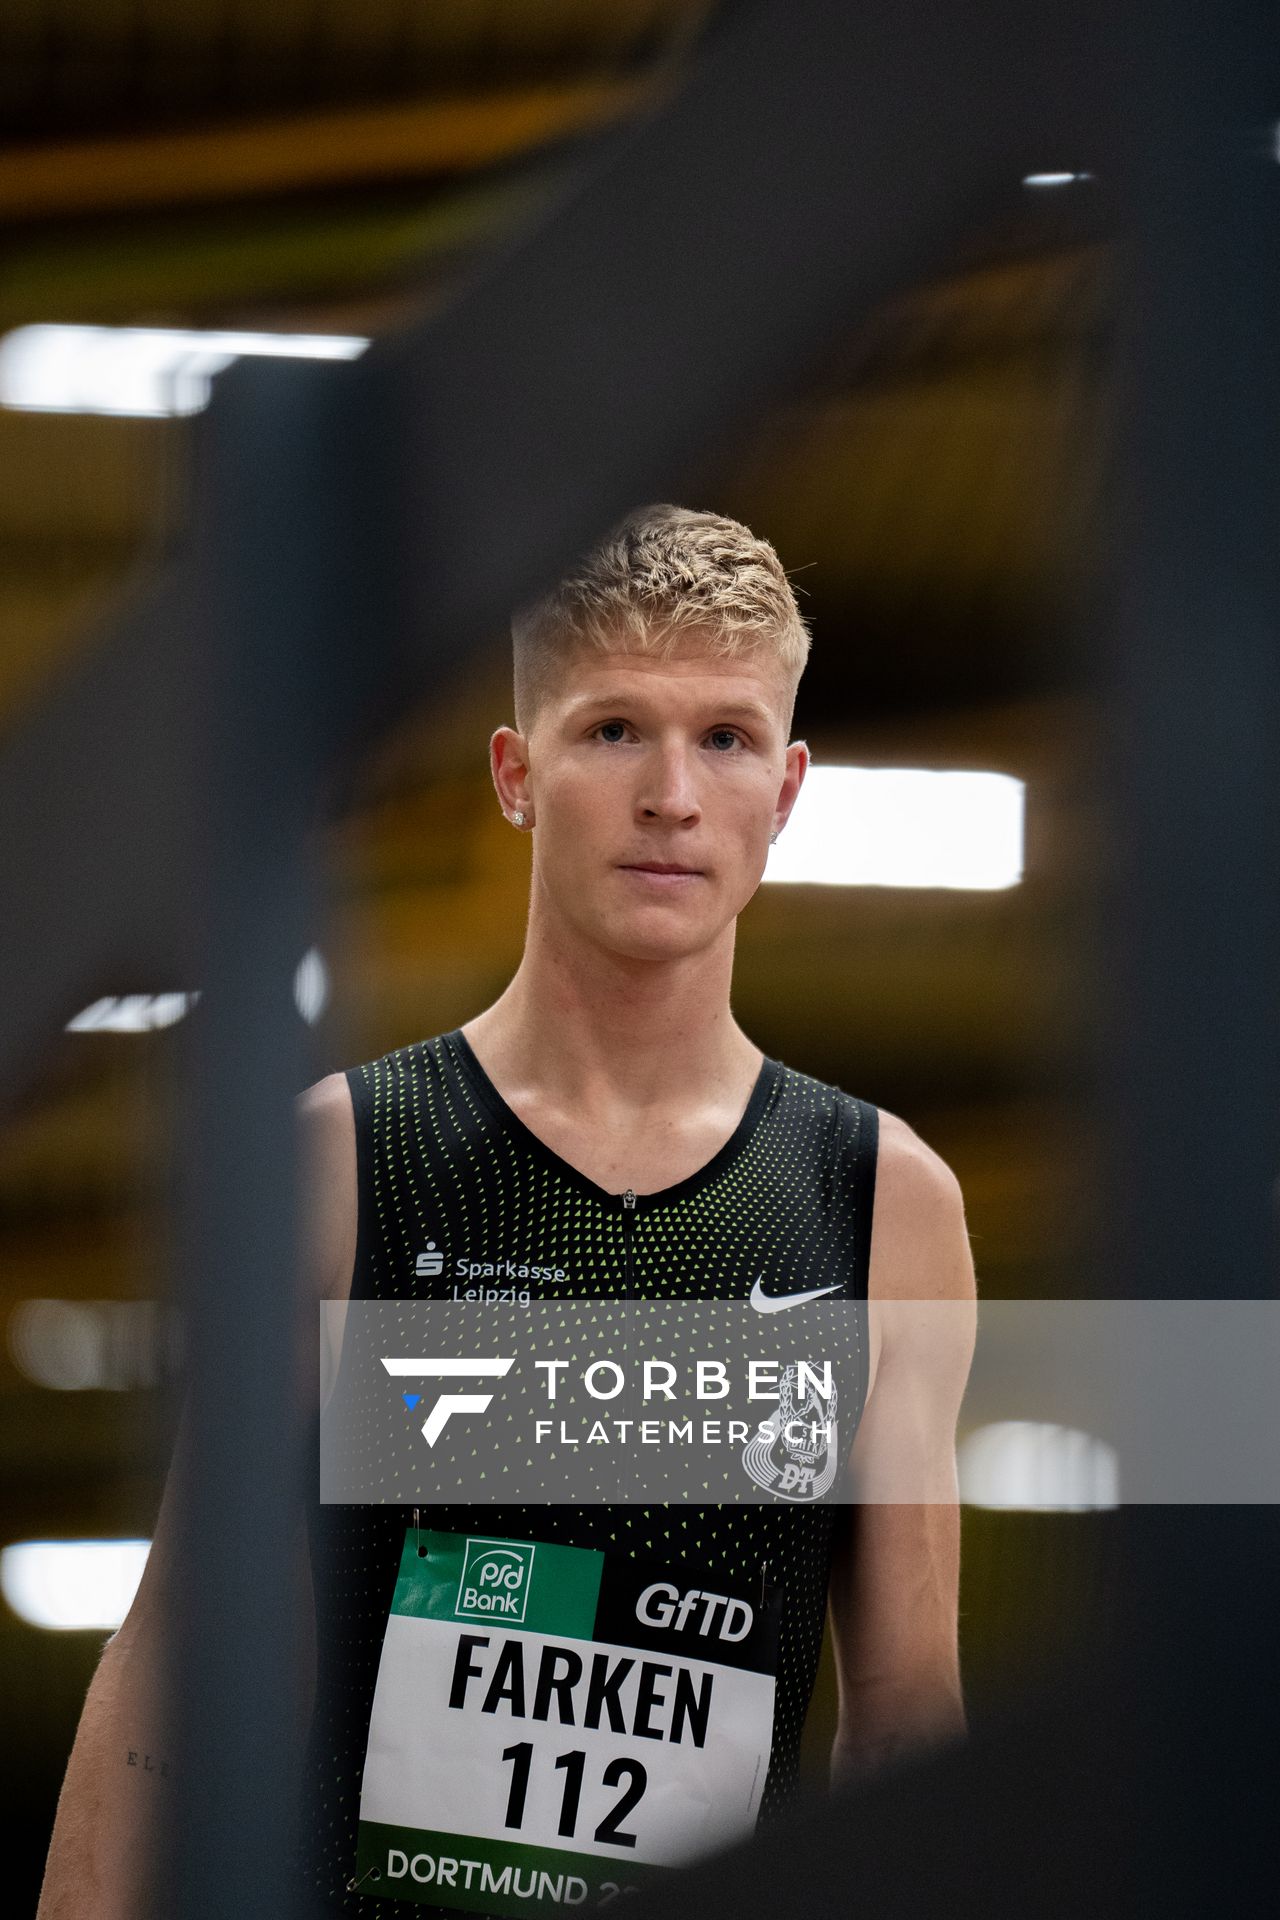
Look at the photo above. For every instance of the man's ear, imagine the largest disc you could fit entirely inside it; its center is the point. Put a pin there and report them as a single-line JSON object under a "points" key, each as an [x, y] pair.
{"points": [[793, 779], [509, 766]]}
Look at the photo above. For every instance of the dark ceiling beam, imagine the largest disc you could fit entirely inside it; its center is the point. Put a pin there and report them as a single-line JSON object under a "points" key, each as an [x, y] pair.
{"points": [[225, 260], [411, 140]]}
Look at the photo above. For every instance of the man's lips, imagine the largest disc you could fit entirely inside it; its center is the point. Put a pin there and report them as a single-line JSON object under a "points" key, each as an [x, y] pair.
{"points": [[657, 866]]}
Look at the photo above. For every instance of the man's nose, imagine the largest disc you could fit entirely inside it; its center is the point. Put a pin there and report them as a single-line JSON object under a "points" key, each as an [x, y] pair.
{"points": [[669, 789]]}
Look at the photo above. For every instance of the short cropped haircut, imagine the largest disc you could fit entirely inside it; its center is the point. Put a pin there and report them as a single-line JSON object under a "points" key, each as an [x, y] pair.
{"points": [[661, 577]]}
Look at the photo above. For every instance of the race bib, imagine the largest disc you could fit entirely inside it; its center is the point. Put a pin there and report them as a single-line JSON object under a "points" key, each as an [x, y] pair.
{"points": [[552, 1725]]}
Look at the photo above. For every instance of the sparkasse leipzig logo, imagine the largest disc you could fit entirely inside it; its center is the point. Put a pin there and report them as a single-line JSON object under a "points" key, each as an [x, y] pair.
{"points": [[496, 1575]]}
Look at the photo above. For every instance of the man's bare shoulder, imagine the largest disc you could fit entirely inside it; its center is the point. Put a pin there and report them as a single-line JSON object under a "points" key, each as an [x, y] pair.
{"points": [[327, 1148], [920, 1259], [919, 1240], [326, 1103]]}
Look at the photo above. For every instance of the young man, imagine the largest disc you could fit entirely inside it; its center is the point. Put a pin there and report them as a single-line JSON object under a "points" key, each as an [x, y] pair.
{"points": [[607, 1116], [608, 1120]]}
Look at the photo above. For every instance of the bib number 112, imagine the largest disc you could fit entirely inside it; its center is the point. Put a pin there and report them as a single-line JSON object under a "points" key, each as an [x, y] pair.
{"points": [[572, 1765]]}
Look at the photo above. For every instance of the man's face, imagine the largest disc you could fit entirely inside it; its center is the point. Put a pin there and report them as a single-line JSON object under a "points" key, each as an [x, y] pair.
{"points": [[636, 765]]}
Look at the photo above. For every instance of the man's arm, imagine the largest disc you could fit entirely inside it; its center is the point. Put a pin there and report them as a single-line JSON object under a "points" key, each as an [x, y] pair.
{"points": [[894, 1592], [120, 1778]]}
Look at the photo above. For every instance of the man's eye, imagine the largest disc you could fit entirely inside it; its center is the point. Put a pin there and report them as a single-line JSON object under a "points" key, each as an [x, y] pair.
{"points": [[605, 725], [724, 733]]}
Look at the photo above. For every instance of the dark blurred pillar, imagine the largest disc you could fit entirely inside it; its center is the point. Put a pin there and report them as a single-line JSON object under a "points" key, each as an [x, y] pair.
{"points": [[290, 634], [1189, 1024]]}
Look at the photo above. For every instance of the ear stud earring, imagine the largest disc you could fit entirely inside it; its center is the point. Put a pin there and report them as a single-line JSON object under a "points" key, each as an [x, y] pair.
{"points": [[518, 818]]}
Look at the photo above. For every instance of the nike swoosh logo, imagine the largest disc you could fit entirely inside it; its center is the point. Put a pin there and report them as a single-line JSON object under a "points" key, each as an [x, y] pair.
{"points": [[773, 1302]]}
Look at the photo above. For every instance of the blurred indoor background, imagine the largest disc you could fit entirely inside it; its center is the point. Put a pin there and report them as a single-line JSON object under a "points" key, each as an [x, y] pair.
{"points": [[323, 168]]}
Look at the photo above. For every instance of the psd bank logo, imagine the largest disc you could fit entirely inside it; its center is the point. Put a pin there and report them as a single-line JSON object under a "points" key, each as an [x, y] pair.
{"points": [[495, 1581], [448, 1403]]}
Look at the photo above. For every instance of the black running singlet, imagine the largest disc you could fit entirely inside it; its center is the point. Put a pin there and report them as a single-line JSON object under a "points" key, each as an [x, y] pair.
{"points": [[448, 1172]]}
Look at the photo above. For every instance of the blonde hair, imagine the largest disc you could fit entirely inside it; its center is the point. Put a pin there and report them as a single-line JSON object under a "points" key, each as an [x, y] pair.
{"points": [[661, 575]]}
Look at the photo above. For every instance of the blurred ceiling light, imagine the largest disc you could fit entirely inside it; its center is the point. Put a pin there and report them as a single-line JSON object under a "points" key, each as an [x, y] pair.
{"points": [[311, 986], [1030, 1465], [132, 1013], [146, 371], [902, 827], [73, 1345], [1053, 179], [143, 1012], [72, 1583]]}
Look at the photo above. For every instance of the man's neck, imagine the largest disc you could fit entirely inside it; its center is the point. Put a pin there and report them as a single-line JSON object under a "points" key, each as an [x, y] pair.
{"points": [[600, 1033]]}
